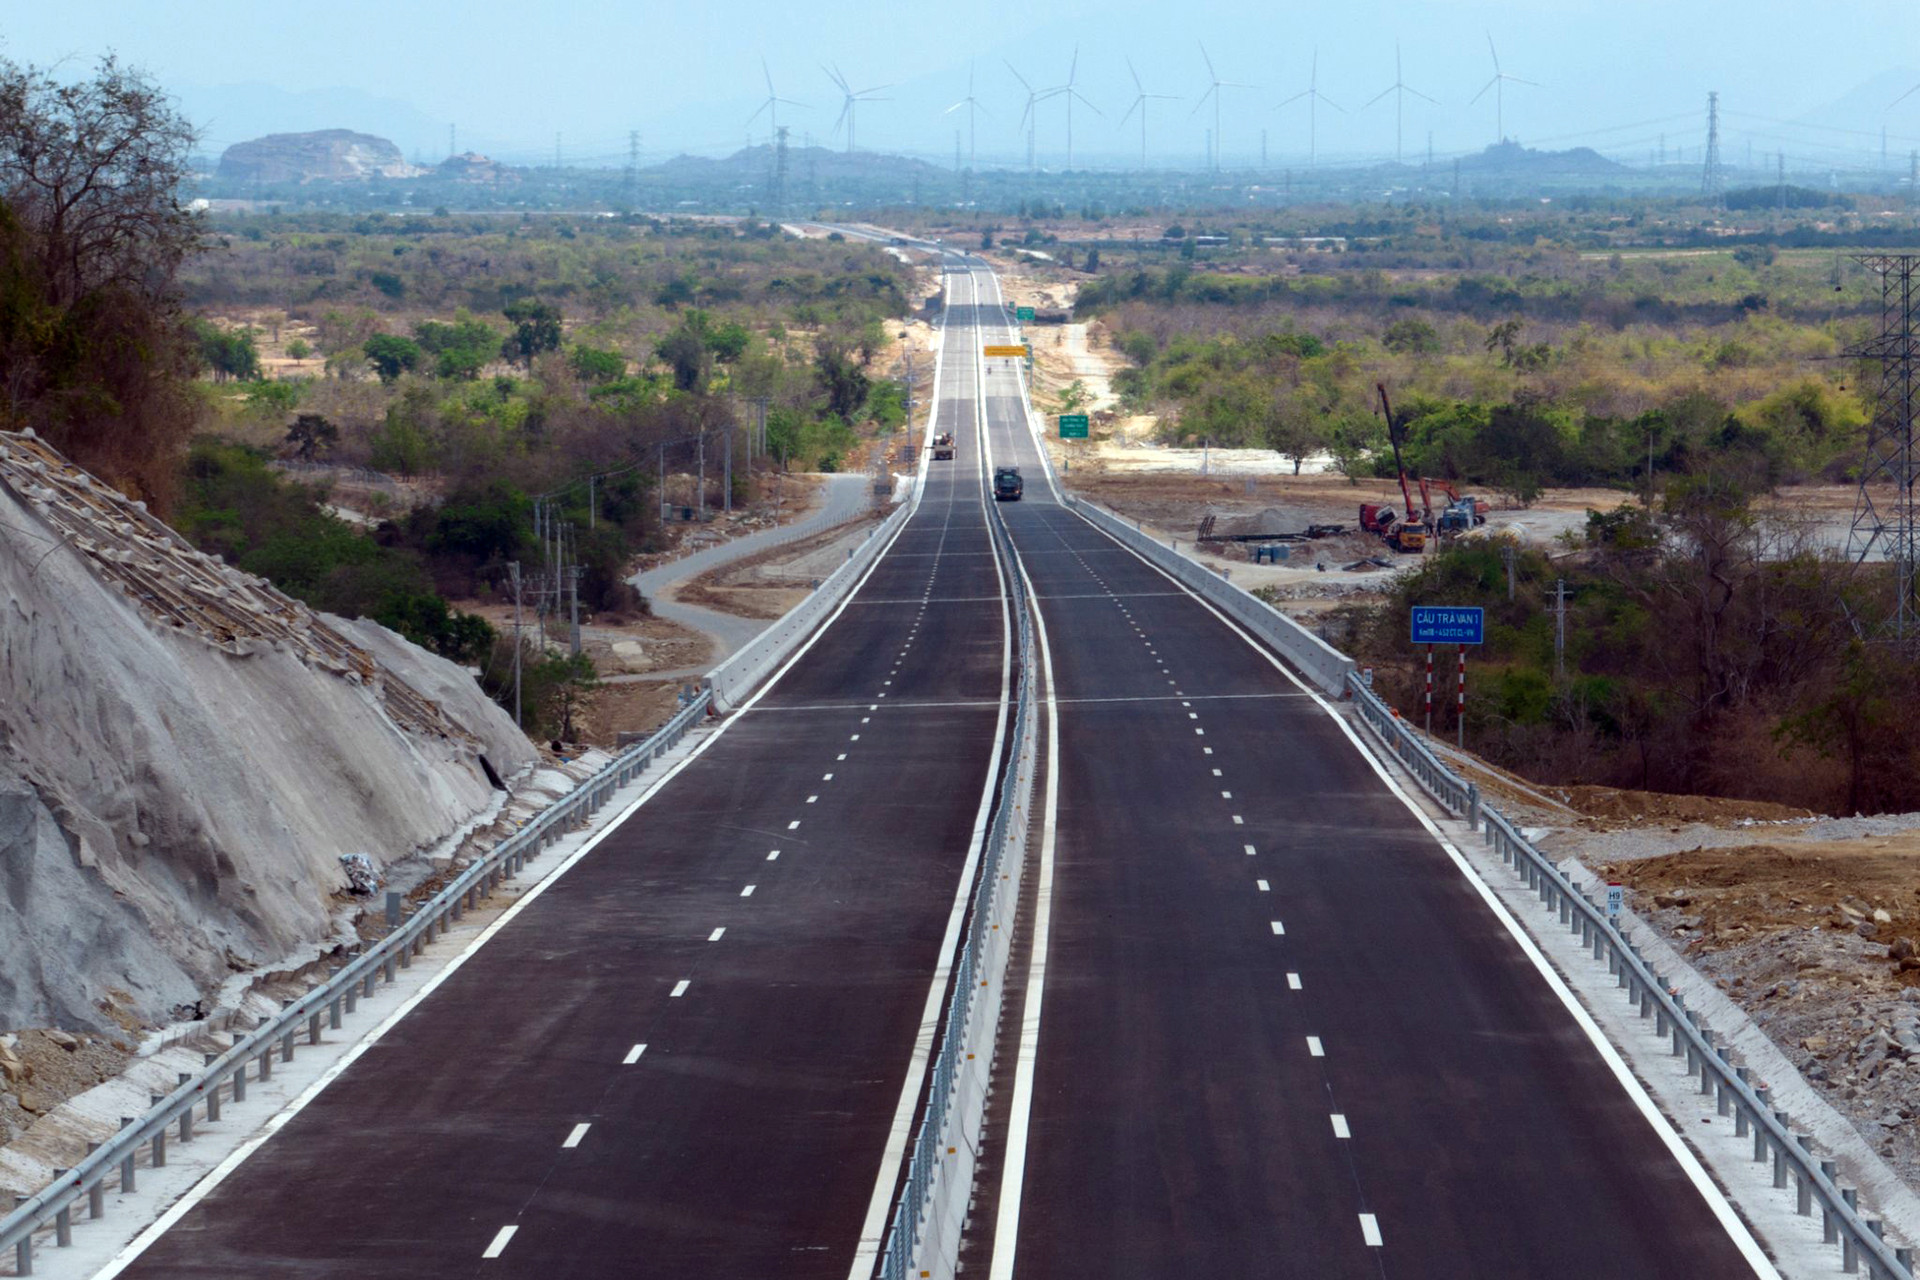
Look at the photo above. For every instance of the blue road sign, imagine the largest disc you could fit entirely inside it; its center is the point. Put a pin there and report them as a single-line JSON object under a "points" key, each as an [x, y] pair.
{"points": [[1446, 624]]}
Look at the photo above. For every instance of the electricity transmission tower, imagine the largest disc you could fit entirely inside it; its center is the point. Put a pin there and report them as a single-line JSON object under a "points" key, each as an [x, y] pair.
{"points": [[1710, 176], [1884, 512], [779, 169], [633, 165]]}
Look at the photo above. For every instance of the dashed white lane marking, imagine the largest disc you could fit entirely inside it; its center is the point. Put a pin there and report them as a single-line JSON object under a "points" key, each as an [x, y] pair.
{"points": [[1239, 821], [716, 935], [1248, 848], [1186, 704], [680, 988], [863, 720], [1226, 795], [573, 1139], [856, 737], [1264, 886], [499, 1244], [1201, 732], [748, 891], [1278, 928], [1340, 1129], [1193, 715], [1314, 1049], [1216, 773], [1293, 982], [793, 825], [1370, 1230], [811, 799], [872, 707], [633, 1055], [1208, 750]]}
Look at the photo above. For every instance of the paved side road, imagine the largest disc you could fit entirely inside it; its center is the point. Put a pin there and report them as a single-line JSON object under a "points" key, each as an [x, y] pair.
{"points": [[844, 498]]}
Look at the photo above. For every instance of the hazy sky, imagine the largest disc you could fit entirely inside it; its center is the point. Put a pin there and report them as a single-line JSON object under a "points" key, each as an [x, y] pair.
{"points": [[1615, 74]]}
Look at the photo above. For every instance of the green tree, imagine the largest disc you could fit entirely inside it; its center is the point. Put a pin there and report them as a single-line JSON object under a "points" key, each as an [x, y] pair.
{"points": [[536, 328], [840, 378], [391, 355], [728, 341], [593, 365], [312, 435], [686, 354], [1411, 335]]}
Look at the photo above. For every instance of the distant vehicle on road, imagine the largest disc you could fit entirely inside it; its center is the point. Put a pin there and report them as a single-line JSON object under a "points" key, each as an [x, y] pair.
{"points": [[1007, 484], [943, 447]]}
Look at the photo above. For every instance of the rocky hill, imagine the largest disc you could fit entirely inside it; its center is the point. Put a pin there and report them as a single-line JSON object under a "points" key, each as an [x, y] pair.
{"points": [[327, 155], [186, 754]]}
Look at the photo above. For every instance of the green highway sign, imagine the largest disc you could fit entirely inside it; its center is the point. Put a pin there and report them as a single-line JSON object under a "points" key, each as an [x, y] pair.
{"points": [[1023, 313], [1073, 426]]}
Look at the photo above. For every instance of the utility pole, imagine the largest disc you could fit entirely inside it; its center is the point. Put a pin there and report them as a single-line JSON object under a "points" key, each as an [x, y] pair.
{"points": [[663, 485], [452, 150], [1560, 628], [727, 497], [633, 166], [700, 484], [1710, 168], [1781, 156], [573, 583], [1506, 554], [514, 569], [1263, 151]]}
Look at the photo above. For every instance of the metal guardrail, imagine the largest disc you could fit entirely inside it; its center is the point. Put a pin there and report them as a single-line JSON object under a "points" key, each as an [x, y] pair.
{"points": [[1734, 1090], [225, 1076], [972, 1017]]}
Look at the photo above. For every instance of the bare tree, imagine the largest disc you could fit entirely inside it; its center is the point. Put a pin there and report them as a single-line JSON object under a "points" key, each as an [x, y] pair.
{"points": [[92, 234]]}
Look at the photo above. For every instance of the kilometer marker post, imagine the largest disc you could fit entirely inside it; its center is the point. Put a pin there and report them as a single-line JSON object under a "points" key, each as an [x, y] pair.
{"points": [[1429, 691]]}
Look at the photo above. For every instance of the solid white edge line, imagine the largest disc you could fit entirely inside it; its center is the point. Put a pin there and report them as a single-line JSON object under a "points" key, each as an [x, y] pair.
{"points": [[1006, 1233], [873, 1229], [1683, 1155]]}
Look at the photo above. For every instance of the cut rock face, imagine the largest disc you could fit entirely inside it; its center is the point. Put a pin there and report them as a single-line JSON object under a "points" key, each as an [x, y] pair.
{"points": [[186, 754]]}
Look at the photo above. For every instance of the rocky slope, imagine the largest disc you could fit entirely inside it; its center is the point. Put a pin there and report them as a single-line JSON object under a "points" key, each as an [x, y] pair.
{"points": [[186, 754], [326, 155]]}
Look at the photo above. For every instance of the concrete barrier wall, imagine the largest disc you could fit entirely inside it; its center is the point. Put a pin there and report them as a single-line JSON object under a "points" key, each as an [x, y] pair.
{"points": [[1307, 653]]}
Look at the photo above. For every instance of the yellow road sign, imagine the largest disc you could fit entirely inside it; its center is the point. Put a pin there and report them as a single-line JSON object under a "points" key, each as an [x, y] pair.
{"points": [[1017, 352]]}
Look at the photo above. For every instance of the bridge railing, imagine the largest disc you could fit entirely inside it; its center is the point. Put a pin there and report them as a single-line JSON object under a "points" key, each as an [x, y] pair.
{"points": [[225, 1077]]}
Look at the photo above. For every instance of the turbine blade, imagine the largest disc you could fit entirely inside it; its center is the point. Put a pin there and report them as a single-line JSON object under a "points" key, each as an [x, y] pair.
{"points": [[1088, 105], [1903, 97], [1495, 52], [1376, 97], [1483, 90], [764, 107], [1518, 80], [1295, 98], [1202, 102], [1423, 97], [1017, 76], [1330, 102], [1138, 104], [769, 78], [1073, 67], [1142, 88], [1209, 61]]}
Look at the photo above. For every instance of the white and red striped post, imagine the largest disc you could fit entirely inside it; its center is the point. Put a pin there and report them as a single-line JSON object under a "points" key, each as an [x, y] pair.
{"points": [[1429, 690], [1460, 703]]}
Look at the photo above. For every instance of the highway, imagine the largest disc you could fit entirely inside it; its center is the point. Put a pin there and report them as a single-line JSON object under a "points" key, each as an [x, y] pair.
{"points": [[694, 1054], [1279, 1032], [1272, 1030]]}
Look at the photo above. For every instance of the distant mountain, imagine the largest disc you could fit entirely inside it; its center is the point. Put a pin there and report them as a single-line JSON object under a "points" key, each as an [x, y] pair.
{"points": [[226, 114], [753, 164], [326, 155], [1511, 160]]}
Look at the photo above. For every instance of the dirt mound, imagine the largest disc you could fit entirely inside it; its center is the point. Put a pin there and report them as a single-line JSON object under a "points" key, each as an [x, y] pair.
{"points": [[1609, 806], [1755, 887]]}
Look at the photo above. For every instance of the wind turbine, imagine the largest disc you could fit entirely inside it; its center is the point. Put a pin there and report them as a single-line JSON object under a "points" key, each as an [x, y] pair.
{"points": [[1903, 97], [1034, 97], [1400, 89], [1068, 92], [972, 104], [771, 107], [1140, 104], [1498, 84], [1214, 85], [851, 99], [1314, 98]]}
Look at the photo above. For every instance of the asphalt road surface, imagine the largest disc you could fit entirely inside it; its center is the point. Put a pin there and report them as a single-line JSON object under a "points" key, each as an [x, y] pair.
{"points": [[1281, 1035], [768, 927]]}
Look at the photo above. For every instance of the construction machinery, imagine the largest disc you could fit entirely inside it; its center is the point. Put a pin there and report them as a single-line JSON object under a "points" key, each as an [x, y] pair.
{"points": [[943, 447], [1007, 484]]}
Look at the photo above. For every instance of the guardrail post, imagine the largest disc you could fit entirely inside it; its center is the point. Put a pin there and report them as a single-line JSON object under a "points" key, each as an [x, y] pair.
{"points": [[1679, 1040], [393, 908], [387, 968], [62, 1218], [23, 1251], [333, 1014], [97, 1193], [186, 1117], [159, 1160], [1780, 1153], [313, 1027], [1829, 1223], [213, 1090], [1849, 1250], [1739, 1108], [1904, 1256], [1760, 1092]]}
